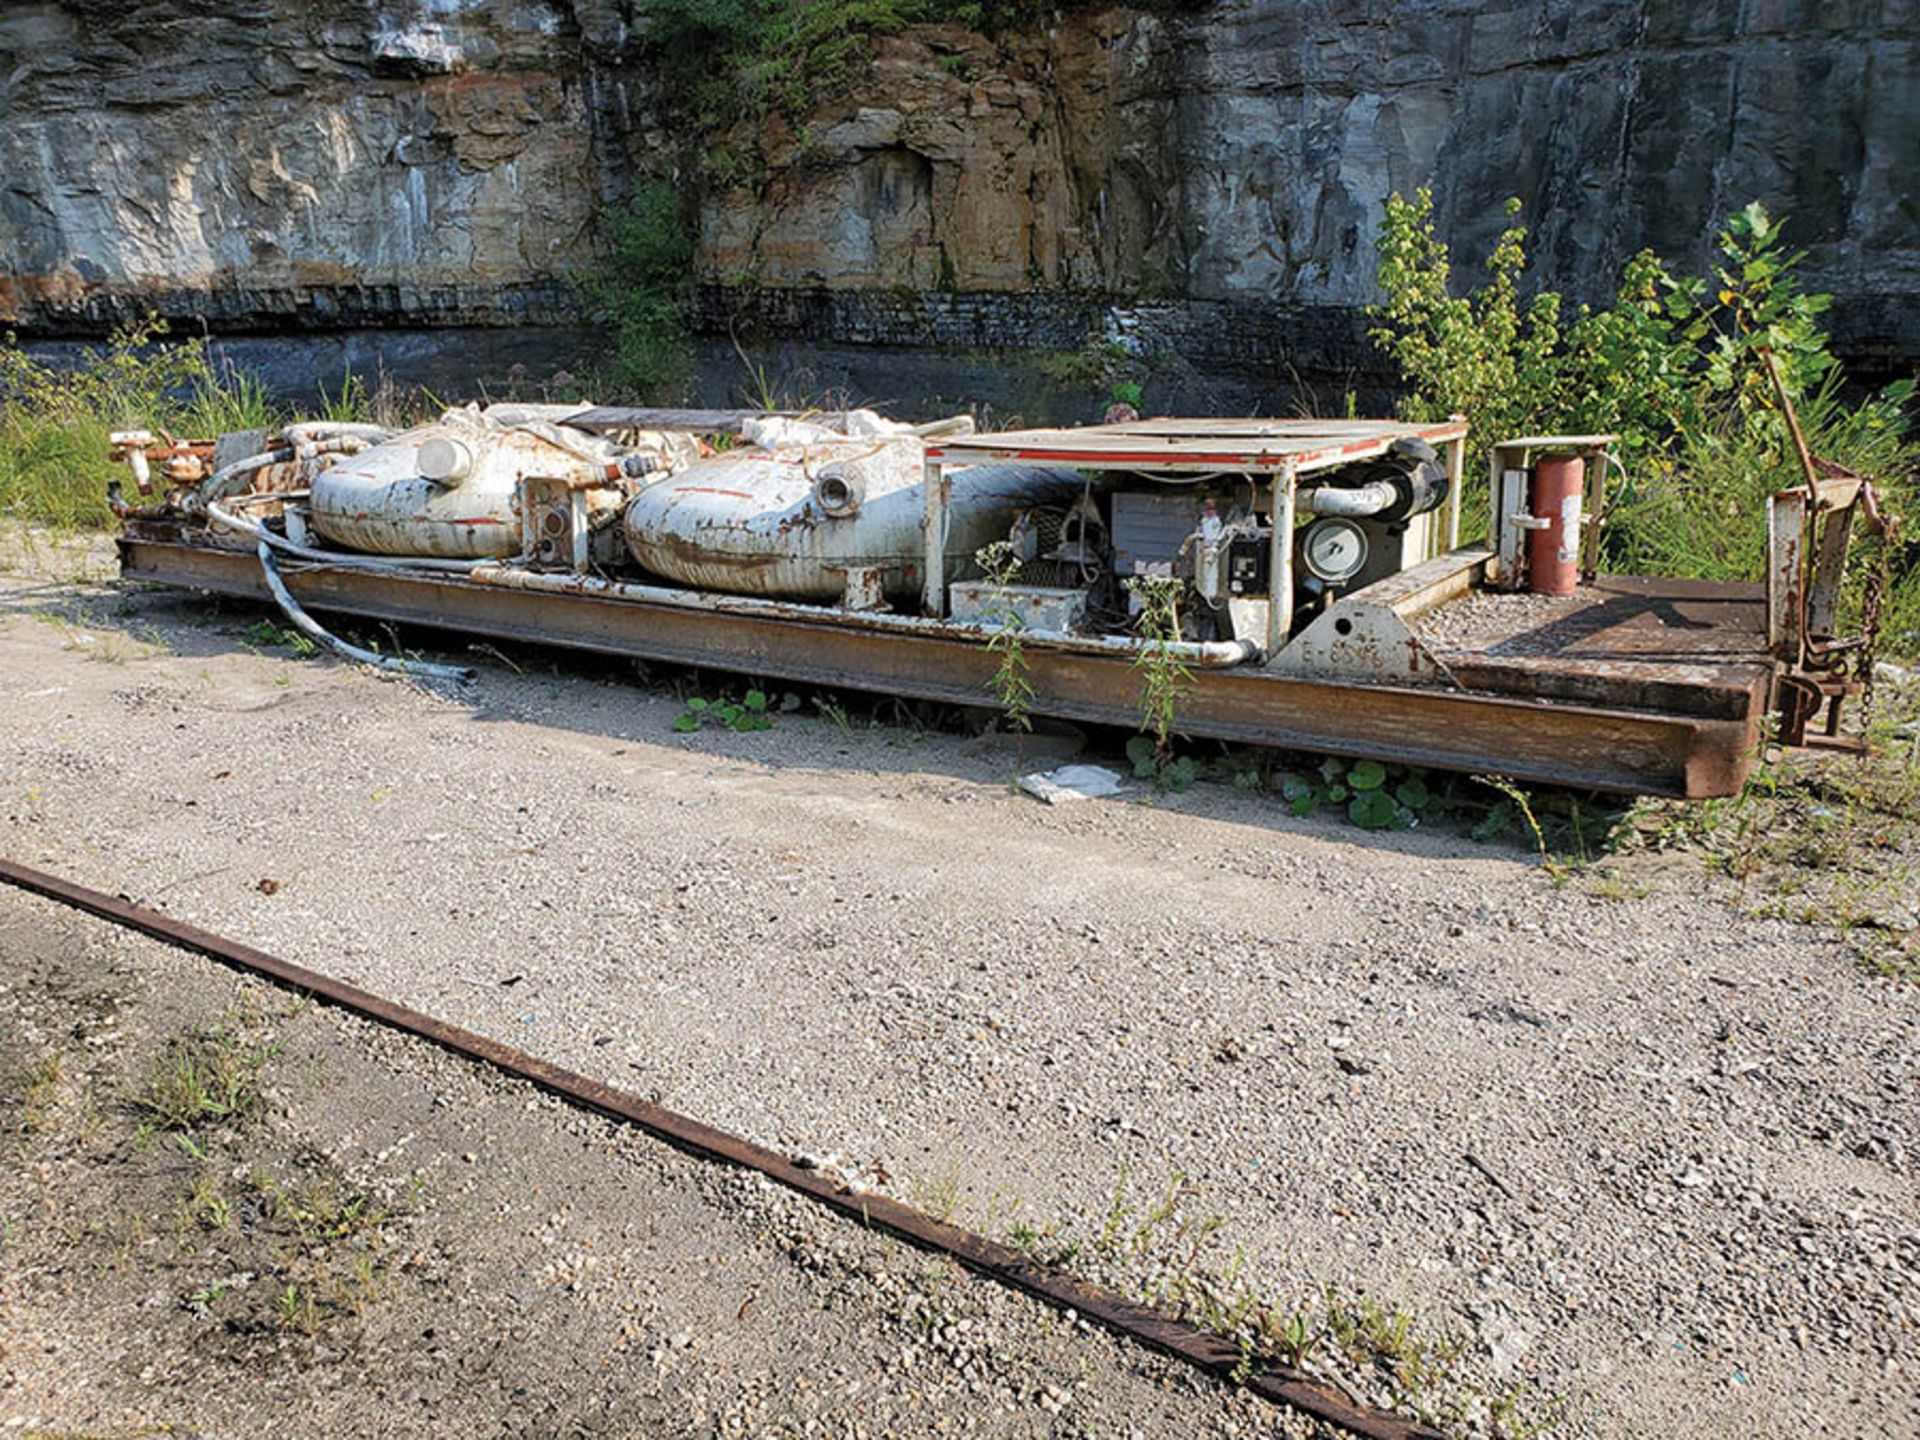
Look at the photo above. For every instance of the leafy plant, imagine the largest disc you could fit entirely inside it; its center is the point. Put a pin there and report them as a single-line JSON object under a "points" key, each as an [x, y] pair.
{"points": [[1674, 367], [1165, 680], [1484, 354], [1010, 683], [643, 286], [749, 713]]}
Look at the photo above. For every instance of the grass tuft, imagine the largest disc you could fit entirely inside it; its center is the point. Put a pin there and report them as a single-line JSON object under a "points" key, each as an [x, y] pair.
{"points": [[209, 1077]]}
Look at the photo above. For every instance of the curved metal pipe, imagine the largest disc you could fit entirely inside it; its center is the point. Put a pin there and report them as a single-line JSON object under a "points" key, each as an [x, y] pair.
{"points": [[1356, 501]]}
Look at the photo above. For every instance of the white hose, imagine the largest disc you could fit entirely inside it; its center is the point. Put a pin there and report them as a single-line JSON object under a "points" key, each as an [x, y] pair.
{"points": [[262, 535], [307, 625], [1205, 654]]}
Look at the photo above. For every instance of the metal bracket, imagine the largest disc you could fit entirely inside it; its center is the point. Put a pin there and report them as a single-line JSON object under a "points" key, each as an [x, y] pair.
{"points": [[1369, 634]]}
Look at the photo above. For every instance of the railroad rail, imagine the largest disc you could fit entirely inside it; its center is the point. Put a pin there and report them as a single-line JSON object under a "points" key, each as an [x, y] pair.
{"points": [[990, 1259]]}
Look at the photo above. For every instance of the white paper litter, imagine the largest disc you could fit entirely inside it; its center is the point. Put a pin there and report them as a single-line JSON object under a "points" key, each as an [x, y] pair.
{"points": [[1072, 782]]}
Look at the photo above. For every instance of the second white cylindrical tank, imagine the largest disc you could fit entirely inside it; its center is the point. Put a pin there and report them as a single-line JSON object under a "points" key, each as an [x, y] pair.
{"points": [[753, 522]]}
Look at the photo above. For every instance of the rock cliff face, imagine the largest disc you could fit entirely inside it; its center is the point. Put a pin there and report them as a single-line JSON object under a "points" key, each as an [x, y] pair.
{"points": [[1208, 182]]}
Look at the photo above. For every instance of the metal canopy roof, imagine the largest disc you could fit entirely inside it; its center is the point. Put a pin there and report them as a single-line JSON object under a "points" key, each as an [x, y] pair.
{"points": [[1193, 447]]}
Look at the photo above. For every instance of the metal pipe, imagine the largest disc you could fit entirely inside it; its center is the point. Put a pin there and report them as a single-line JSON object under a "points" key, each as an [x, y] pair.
{"points": [[333, 445], [310, 430], [1204, 654], [952, 425], [1456, 479], [310, 627], [1358, 501], [933, 525]]}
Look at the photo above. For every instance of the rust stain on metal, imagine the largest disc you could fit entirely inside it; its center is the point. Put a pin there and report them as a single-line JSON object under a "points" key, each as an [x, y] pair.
{"points": [[990, 1259]]}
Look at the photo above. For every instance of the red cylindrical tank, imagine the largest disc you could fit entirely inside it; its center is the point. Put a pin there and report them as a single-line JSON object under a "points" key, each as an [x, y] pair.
{"points": [[1553, 551]]}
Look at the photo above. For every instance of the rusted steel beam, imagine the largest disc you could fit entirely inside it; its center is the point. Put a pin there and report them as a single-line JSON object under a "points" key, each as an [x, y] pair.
{"points": [[988, 1258], [1639, 752]]}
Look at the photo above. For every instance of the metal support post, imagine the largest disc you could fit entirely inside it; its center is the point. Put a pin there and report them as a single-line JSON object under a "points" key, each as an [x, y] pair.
{"points": [[1280, 561], [933, 525]]}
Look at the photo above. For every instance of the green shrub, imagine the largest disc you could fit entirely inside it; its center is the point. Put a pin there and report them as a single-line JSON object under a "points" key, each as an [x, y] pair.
{"points": [[1674, 367], [55, 422], [643, 286], [746, 59]]}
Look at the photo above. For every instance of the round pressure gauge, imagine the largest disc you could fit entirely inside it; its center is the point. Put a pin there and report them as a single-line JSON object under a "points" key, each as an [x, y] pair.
{"points": [[1333, 549]]}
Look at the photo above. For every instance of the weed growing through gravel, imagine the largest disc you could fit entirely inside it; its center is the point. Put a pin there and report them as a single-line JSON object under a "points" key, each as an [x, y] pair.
{"points": [[1012, 688], [210, 1076], [752, 711], [39, 1087], [326, 1243], [1165, 1252], [1823, 839], [939, 1195], [266, 635]]}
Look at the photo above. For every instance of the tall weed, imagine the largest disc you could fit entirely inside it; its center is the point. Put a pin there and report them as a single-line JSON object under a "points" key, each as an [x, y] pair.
{"points": [[55, 422]]}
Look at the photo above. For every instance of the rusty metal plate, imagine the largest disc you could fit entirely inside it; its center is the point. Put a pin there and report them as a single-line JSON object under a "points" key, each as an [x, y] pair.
{"points": [[1687, 647], [1195, 446]]}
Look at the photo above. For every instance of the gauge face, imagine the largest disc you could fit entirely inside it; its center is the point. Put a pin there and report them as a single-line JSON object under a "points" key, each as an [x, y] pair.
{"points": [[1333, 549]]}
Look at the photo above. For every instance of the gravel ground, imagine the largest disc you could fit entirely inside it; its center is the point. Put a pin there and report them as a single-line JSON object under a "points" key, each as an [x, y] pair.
{"points": [[1647, 1152], [516, 1268]]}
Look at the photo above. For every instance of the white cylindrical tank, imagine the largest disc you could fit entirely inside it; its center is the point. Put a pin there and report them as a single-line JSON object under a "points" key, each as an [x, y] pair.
{"points": [[789, 522], [452, 488]]}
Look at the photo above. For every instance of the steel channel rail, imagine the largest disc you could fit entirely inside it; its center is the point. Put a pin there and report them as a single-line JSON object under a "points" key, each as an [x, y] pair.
{"points": [[1531, 740], [987, 1258]]}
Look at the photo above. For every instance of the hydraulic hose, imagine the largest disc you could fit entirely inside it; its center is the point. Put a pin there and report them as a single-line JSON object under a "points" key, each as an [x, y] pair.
{"points": [[264, 536], [307, 625]]}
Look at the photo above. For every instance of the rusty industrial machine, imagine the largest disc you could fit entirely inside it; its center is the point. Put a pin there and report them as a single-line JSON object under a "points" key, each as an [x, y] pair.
{"points": [[1310, 573]]}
